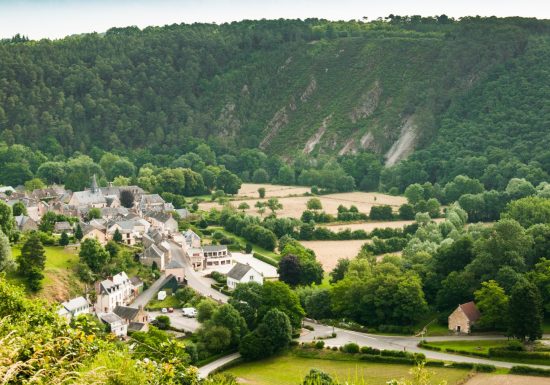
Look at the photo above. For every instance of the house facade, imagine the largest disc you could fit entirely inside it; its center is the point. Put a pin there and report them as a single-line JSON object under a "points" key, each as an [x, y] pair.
{"points": [[463, 318], [113, 292], [241, 273]]}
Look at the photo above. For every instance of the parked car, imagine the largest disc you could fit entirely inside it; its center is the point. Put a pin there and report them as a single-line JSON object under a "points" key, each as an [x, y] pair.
{"points": [[190, 312], [164, 310], [170, 310]]}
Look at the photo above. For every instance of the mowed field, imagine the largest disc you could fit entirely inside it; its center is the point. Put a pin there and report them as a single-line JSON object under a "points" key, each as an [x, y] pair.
{"points": [[294, 206], [506, 379], [290, 370], [250, 190], [369, 226], [328, 252]]}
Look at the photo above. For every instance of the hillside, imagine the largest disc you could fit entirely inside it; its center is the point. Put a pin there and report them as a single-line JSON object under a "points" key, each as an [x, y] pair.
{"points": [[474, 90]]}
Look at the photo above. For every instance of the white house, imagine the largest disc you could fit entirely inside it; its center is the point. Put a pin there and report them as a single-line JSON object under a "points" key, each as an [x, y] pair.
{"points": [[74, 307], [216, 255], [110, 293], [241, 273], [118, 326]]}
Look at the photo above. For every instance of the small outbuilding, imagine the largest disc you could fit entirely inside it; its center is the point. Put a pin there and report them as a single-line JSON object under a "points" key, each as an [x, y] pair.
{"points": [[464, 317]]}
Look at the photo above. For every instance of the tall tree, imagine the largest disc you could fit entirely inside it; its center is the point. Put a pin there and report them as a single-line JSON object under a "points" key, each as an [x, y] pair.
{"points": [[7, 262], [525, 311], [93, 254], [127, 198], [492, 303], [32, 261]]}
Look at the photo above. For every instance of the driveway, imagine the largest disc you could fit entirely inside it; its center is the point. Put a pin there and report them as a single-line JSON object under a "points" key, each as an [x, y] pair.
{"points": [[194, 280], [147, 295], [401, 343], [177, 320]]}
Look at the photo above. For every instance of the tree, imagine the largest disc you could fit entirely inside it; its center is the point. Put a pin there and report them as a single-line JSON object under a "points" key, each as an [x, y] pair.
{"points": [[276, 329], [117, 236], [205, 309], [215, 338], [286, 175], [7, 262], [261, 192], [279, 295], [290, 270], [93, 254], [228, 317], [340, 270], [261, 207], [94, 213], [260, 176], [243, 206], [414, 193], [7, 223], [78, 234], [406, 211], [64, 240], [112, 248], [314, 204], [273, 204], [162, 322], [32, 261], [520, 188], [529, 211], [127, 198], [34, 184], [492, 303], [19, 208], [525, 312], [383, 213]]}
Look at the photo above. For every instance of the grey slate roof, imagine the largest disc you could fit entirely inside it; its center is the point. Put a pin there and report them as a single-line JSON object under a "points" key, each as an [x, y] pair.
{"points": [[238, 271], [136, 281], [110, 318], [125, 312], [208, 248], [174, 264], [153, 252], [75, 303], [136, 326]]}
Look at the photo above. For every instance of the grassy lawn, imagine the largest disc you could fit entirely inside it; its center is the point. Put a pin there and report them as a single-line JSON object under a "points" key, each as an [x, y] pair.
{"points": [[290, 370], [60, 279], [169, 301], [255, 248], [476, 346]]}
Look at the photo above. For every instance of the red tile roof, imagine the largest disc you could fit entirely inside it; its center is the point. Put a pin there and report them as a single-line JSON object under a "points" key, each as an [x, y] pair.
{"points": [[471, 311]]}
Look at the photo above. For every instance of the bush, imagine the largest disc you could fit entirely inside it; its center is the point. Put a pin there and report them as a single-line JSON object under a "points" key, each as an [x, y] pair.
{"points": [[530, 371], [505, 353], [462, 365], [387, 360], [319, 344], [265, 259], [369, 350], [351, 348], [484, 368], [162, 322], [309, 327]]}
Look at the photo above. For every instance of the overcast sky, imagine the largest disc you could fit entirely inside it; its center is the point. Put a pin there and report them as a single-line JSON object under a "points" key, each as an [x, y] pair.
{"points": [[57, 18]]}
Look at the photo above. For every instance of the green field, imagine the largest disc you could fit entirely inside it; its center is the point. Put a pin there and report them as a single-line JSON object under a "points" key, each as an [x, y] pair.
{"points": [[60, 280], [477, 346], [255, 248], [290, 370]]}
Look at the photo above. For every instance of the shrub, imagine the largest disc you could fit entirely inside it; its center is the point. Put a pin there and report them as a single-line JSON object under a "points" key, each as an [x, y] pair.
{"points": [[505, 353], [319, 344], [484, 368], [351, 348], [335, 348], [265, 259], [369, 350], [162, 322], [530, 371]]}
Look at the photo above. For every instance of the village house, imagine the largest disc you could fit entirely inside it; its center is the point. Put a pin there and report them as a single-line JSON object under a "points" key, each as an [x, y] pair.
{"points": [[153, 256], [162, 221], [74, 308], [92, 198], [132, 314], [117, 325], [62, 227], [241, 273], [216, 255], [176, 269], [25, 223], [113, 292], [464, 317], [95, 230]]}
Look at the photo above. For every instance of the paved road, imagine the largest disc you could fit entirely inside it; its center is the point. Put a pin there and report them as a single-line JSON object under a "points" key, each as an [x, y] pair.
{"points": [[194, 280], [401, 343], [177, 320], [205, 370], [147, 295]]}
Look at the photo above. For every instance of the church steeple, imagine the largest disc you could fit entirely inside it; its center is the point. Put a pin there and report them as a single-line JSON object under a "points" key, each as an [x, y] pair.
{"points": [[95, 189]]}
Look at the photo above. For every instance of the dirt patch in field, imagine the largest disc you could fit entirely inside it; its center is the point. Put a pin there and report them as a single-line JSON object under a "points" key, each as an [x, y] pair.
{"points": [[294, 206], [251, 190], [506, 379], [369, 226], [329, 252]]}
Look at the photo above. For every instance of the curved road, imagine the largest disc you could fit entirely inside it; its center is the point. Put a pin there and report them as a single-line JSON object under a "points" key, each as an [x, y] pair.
{"points": [[194, 280], [402, 343]]}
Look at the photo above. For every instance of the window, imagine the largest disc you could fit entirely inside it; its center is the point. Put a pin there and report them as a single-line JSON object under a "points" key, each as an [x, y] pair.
{"points": [[252, 278]]}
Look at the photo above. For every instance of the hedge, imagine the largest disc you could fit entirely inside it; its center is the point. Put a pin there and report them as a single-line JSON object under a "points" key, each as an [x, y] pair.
{"points": [[387, 359], [265, 259], [530, 370], [505, 353]]}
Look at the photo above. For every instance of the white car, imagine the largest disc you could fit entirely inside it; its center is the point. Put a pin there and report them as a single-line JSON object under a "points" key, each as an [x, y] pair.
{"points": [[164, 310], [190, 312]]}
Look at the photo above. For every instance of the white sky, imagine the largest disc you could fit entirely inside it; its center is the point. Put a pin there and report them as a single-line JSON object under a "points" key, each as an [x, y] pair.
{"points": [[57, 18]]}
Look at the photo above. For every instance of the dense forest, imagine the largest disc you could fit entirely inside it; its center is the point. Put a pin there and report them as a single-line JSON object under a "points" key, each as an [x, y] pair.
{"points": [[303, 100]]}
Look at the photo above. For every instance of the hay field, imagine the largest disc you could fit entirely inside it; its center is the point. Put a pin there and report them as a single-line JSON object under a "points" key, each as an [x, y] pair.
{"points": [[328, 252]]}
